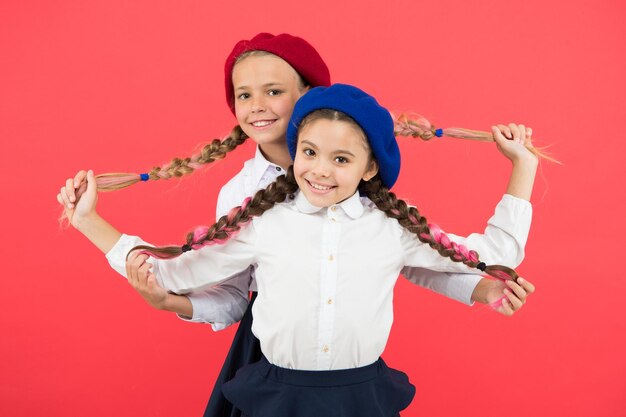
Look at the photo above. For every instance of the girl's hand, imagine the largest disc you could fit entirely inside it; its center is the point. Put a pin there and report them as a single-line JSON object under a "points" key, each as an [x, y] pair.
{"points": [[79, 197], [508, 297], [513, 142], [141, 278]]}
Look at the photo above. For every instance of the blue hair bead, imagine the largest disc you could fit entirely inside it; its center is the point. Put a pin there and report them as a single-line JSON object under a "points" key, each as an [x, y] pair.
{"points": [[439, 133], [144, 177]]}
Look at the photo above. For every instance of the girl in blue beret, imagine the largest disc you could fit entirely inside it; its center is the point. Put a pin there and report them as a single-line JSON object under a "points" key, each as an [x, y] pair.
{"points": [[331, 231]]}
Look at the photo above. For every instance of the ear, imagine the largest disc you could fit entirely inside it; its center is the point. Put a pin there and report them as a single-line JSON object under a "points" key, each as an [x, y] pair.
{"points": [[372, 170]]}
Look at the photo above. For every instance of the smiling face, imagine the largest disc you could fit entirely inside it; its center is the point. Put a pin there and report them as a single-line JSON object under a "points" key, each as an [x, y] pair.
{"points": [[331, 160], [266, 90]]}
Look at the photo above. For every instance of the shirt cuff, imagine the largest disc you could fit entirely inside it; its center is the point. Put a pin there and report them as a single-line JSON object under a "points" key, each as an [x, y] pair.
{"points": [[117, 255], [514, 215], [219, 306], [461, 287]]}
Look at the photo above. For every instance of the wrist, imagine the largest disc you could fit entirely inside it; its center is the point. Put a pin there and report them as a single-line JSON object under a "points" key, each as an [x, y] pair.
{"points": [[525, 161], [479, 295], [178, 304], [83, 223], [168, 303]]}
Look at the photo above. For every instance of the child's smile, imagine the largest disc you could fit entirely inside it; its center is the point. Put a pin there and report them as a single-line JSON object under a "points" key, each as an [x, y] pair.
{"points": [[266, 89], [331, 160]]}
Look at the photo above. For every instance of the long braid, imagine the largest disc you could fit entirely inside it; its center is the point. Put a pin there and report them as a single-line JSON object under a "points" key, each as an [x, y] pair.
{"points": [[230, 224], [417, 126], [216, 149], [431, 234]]}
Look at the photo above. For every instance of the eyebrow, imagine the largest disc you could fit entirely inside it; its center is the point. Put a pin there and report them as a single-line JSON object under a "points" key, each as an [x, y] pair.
{"points": [[275, 84], [338, 151]]}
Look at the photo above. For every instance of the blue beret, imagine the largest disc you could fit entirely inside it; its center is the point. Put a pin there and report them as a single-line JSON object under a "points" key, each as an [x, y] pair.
{"points": [[374, 119]]}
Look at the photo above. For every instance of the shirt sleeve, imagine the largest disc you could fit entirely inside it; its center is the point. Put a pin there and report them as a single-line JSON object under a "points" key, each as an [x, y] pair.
{"points": [[502, 242], [117, 255], [222, 305], [203, 268], [459, 287]]}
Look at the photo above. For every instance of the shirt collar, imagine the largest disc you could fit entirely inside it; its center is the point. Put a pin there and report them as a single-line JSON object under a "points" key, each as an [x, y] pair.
{"points": [[260, 165], [352, 206]]}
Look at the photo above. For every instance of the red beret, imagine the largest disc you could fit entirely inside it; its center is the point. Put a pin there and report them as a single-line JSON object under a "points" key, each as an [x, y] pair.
{"points": [[296, 51]]}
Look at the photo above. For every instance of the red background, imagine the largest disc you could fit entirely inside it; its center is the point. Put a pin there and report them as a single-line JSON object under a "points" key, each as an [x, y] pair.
{"points": [[123, 86]]}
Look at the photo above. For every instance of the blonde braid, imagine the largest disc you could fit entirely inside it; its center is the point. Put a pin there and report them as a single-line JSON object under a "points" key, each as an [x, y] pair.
{"points": [[216, 149]]}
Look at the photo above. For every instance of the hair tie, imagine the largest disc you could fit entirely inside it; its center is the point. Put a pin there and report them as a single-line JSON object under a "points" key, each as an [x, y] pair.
{"points": [[144, 177], [186, 247], [482, 266], [439, 133]]}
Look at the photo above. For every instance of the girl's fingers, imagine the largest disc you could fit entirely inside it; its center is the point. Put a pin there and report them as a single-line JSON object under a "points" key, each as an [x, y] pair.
{"points": [[528, 141], [91, 183], [131, 256], [506, 308], [516, 303], [506, 131], [519, 292], [151, 279], [528, 286], [142, 273], [498, 136], [134, 261], [79, 178], [515, 131], [69, 187], [522, 134], [66, 199]]}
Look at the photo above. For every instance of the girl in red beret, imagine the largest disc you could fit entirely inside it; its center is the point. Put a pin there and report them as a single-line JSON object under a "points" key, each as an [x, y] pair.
{"points": [[264, 77]]}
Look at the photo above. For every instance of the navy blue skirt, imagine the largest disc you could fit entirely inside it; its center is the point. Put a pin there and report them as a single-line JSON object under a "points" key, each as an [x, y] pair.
{"points": [[266, 390], [245, 350]]}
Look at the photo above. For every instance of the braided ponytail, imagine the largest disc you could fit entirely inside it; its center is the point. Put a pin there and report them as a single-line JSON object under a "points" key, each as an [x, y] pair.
{"points": [[418, 126], [177, 167], [230, 224], [431, 234]]}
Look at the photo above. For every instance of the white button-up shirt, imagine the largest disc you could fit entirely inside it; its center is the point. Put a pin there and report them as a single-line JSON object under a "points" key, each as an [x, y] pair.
{"points": [[225, 304], [325, 276]]}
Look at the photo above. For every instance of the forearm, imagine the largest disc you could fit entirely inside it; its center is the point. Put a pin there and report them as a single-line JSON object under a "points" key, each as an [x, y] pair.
{"points": [[100, 232], [178, 304], [522, 177]]}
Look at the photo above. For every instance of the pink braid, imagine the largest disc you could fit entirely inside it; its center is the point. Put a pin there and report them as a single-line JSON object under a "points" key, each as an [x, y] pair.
{"points": [[230, 231], [229, 225]]}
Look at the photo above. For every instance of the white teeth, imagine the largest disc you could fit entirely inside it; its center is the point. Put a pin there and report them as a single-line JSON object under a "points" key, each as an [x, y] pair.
{"points": [[320, 187], [262, 123]]}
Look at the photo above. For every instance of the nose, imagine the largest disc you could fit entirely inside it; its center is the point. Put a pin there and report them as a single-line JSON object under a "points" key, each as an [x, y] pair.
{"points": [[258, 105], [321, 168]]}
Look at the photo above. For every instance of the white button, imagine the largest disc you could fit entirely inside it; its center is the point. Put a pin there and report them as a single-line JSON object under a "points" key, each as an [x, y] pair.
{"points": [[330, 301], [325, 349], [334, 208], [331, 257]]}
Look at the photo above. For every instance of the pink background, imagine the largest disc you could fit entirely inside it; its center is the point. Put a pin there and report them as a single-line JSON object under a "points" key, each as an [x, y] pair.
{"points": [[123, 86]]}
